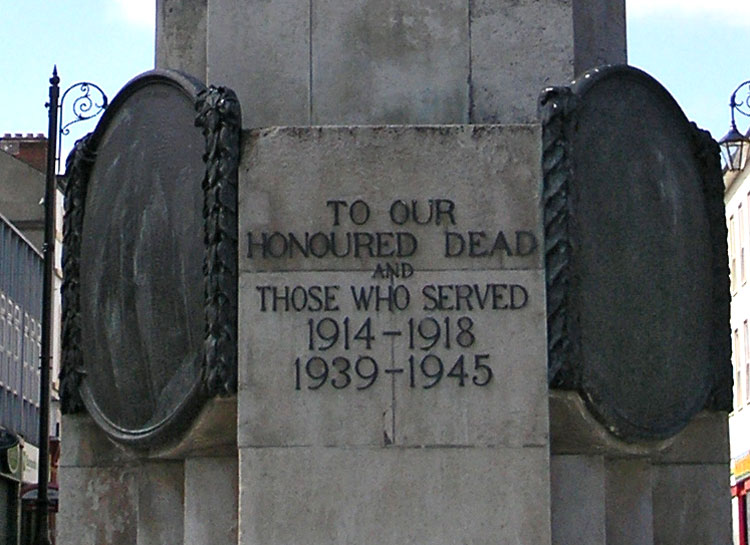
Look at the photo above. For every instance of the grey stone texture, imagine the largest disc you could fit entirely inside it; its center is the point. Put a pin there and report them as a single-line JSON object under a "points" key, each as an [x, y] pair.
{"points": [[691, 504], [393, 496], [599, 27], [616, 493], [493, 171], [119, 496], [296, 62], [98, 505], [181, 36], [389, 61], [161, 517], [211, 501], [517, 49], [578, 500], [261, 50], [405, 460]]}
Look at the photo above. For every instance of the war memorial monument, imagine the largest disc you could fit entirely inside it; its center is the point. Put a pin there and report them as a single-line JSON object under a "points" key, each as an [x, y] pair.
{"points": [[391, 272]]}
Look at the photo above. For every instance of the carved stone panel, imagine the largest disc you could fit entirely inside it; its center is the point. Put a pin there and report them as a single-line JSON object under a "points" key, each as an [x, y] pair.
{"points": [[636, 277], [146, 335]]}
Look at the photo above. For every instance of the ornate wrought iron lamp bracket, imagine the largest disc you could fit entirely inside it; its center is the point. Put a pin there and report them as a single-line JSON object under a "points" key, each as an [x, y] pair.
{"points": [[89, 101], [733, 143]]}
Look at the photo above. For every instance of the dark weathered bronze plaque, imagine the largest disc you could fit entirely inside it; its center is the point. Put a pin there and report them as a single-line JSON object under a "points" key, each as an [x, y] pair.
{"points": [[636, 286], [137, 295]]}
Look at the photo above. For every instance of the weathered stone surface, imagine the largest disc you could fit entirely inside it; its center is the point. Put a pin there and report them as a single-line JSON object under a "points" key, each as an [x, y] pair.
{"points": [[333, 451], [382, 61], [181, 36], [486, 181], [98, 505], [573, 430], [493, 172], [86, 445], [629, 505], [211, 494], [262, 51], [600, 37], [439, 496], [389, 61], [517, 49], [578, 500], [510, 411], [691, 504], [160, 503]]}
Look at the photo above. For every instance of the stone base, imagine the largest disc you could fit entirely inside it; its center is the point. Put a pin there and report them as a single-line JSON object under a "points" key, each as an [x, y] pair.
{"points": [[113, 495], [604, 491], [673, 493]]}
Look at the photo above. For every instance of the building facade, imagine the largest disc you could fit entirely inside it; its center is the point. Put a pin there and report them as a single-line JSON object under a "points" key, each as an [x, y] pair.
{"points": [[737, 203], [22, 183]]}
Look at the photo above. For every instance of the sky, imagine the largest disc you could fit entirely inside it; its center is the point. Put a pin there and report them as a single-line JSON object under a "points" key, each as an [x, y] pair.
{"points": [[690, 46]]}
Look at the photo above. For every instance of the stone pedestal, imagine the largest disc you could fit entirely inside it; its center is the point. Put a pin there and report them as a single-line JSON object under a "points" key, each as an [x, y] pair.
{"points": [[423, 417], [184, 494], [608, 492]]}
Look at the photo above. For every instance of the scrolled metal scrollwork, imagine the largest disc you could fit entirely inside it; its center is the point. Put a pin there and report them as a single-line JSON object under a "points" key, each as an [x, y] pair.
{"points": [[77, 168], [220, 118], [85, 106], [555, 106]]}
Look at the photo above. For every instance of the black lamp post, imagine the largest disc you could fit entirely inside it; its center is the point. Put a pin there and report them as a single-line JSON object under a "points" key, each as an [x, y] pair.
{"points": [[733, 143], [84, 107]]}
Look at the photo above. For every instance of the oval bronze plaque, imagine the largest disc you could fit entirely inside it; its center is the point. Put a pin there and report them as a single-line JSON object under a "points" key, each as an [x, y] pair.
{"points": [[141, 261], [638, 262]]}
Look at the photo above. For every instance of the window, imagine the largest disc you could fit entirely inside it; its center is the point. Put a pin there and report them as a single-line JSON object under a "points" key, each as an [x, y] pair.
{"points": [[732, 256], [736, 365], [741, 236]]}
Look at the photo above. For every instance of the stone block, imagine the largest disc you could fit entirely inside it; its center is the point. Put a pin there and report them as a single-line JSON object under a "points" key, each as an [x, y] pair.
{"points": [[469, 314], [578, 500], [600, 38], [511, 410], [84, 444], [390, 62], [393, 496], [181, 36], [629, 512], [98, 505], [691, 504], [295, 62], [517, 49], [160, 503], [401, 407], [211, 492], [492, 174], [261, 50]]}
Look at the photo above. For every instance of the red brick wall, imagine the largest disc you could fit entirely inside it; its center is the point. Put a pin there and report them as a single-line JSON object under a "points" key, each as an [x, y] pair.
{"points": [[29, 148]]}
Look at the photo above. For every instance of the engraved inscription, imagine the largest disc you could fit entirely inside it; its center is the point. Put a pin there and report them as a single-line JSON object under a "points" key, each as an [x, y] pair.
{"points": [[357, 336]]}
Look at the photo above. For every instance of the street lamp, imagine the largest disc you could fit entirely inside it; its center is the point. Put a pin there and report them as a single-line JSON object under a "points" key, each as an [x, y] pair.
{"points": [[83, 108], [733, 143]]}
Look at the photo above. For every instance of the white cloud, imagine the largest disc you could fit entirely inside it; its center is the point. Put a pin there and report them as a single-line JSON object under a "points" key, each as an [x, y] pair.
{"points": [[137, 12]]}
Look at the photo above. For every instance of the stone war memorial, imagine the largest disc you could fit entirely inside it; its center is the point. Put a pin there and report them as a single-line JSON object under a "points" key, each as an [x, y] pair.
{"points": [[394, 272]]}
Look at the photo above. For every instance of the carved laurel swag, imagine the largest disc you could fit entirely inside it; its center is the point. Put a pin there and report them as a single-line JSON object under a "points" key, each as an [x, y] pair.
{"points": [[77, 168], [220, 118], [555, 107], [720, 350]]}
